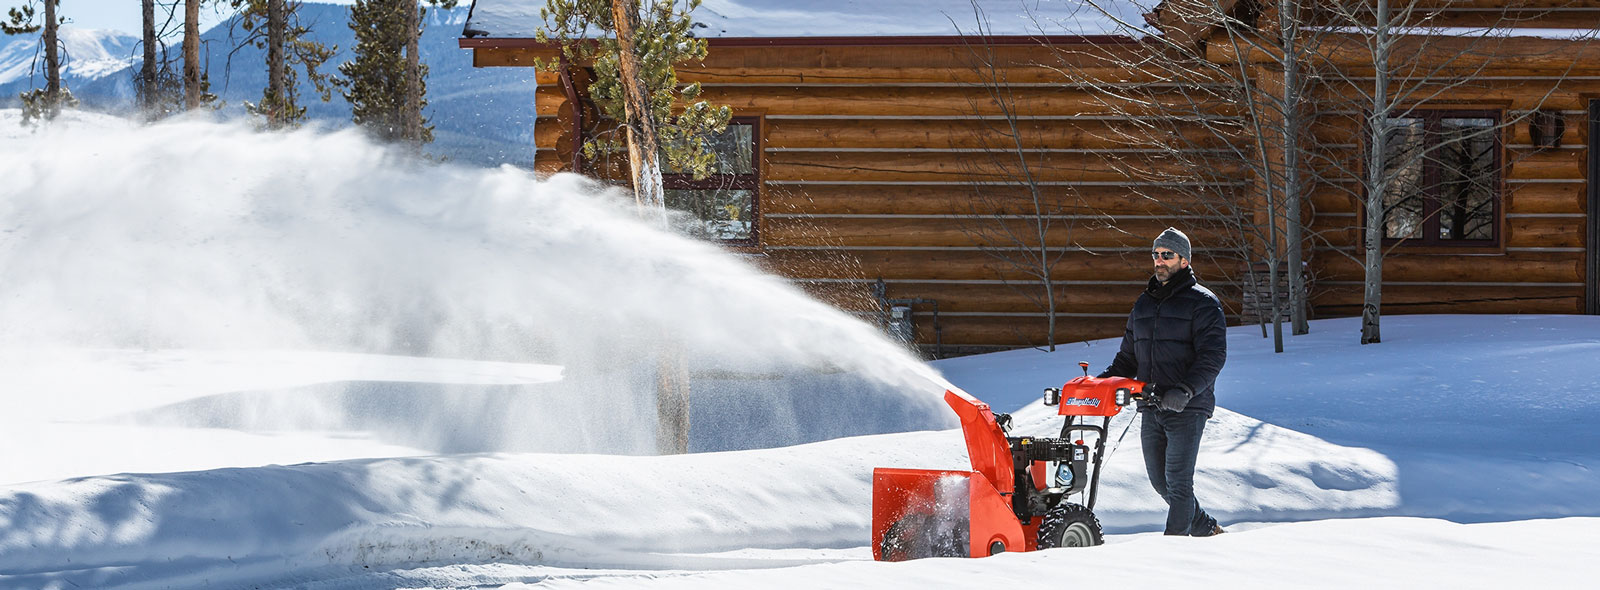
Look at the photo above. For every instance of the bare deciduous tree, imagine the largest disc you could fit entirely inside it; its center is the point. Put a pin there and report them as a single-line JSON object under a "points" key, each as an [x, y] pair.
{"points": [[1387, 63]]}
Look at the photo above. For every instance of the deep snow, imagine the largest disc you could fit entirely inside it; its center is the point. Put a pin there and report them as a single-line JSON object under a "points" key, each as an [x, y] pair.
{"points": [[303, 379], [1476, 444]]}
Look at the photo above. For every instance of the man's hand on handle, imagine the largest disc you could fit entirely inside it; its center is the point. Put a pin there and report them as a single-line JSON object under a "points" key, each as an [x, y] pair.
{"points": [[1173, 399]]}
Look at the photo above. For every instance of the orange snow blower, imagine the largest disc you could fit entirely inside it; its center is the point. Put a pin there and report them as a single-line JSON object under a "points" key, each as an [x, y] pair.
{"points": [[1008, 502]]}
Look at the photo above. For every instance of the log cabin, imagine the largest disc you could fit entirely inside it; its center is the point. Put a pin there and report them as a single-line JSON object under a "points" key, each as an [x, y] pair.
{"points": [[985, 177]]}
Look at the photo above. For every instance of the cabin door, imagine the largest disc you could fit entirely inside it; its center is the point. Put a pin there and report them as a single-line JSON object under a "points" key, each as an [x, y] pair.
{"points": [[1591, 299]]}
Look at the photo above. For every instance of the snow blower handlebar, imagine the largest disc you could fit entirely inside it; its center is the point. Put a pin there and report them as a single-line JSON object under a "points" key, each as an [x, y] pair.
{"points": [[1098, 396]]}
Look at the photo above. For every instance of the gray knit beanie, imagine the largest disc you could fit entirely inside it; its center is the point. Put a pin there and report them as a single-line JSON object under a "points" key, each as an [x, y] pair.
{"points": [[1173, 240]]}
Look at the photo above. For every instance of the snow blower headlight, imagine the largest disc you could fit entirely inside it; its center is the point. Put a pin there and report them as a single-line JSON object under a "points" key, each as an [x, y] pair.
{"points": [[1052, 396]]}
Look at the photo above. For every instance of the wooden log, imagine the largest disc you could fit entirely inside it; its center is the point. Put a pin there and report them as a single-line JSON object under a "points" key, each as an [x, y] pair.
{"points": [[848, 199], [992, 135], [1520, 232], [1576, 134], [1540, 197], [1545, 232], [936, 232], [519, 57], [1521, 267], [1020, 298], [1448, 6], [916, 101], [1336, 129], [1526, 164], [1018, 331], [955, 74], [1482, 91], [964, 167], [1477, 14], [1434, 54], [548, 132], [548, 162], [1349, 129], [1406, 299], [1520, 164], [951, 54], [945, 265], [548, 100], [910, 102], [1512, 18], [871, 53], [1333, 199]]}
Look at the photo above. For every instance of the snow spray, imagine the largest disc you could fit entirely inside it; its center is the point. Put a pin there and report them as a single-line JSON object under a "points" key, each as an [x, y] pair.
{"points": [[198, 235]]}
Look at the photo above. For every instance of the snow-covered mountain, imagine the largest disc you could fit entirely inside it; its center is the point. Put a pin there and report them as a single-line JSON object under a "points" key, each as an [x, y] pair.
{"points": [[89, 55], [480, 115]]}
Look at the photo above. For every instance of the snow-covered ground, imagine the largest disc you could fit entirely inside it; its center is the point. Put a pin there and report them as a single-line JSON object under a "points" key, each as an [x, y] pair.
{"points": [[1460, 452], [308, 363]]}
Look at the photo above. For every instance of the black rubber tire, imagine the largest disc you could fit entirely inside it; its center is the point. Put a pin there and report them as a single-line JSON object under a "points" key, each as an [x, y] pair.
{"points": [[919, 535], [1070, 525]]}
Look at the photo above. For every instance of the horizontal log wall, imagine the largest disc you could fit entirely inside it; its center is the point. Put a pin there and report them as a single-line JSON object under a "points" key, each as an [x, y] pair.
{"points": [[1539, 264], [896, 163]]}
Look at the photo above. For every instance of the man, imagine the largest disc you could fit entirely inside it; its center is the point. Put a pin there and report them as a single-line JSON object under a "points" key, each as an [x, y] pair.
{"points": [[1176, 342]]}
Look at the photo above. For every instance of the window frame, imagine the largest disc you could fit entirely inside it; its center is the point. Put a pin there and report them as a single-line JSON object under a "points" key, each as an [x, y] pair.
{"points": [[1432, 181], [750, 181]]}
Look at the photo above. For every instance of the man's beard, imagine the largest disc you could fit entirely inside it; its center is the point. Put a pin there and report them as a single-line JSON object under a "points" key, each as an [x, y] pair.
{"points": [[1163, 274]]}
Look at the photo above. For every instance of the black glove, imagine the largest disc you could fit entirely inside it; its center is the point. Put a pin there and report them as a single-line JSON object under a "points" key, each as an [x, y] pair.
{"points": [[1175, 399]]}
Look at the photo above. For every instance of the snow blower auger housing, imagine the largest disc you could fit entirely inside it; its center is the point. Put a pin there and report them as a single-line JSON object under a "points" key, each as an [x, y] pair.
{"points": [[1011, 500]]}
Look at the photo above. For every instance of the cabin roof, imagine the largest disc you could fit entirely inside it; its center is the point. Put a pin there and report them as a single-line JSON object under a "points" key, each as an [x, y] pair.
{"points": [[858, 19]]}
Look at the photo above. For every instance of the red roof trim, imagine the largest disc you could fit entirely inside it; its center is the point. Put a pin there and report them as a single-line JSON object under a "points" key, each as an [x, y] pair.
{"points": [[1001, 40]]}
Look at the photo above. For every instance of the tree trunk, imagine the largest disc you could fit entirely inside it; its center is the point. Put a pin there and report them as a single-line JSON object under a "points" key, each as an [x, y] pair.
{"points": [[147, 73], [277, 97], [191, 54], [642, 147], [52, 62], [1289, 28], [411, 119], [672, 387], [1377, 180]]}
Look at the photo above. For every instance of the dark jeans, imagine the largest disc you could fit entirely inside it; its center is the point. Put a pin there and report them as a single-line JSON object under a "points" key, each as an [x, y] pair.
{"points": [[1171, 445]]}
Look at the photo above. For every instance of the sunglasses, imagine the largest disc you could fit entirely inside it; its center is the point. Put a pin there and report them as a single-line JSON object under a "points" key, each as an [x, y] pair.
{"points": [[1168, 255]]}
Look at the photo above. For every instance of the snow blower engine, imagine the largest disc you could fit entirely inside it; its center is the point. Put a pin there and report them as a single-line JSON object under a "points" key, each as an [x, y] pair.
{"points": [[1012, 499]]}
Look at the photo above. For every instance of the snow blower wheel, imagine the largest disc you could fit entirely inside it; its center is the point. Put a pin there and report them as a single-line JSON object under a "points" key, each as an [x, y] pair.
{"points": [[1070, 525]]}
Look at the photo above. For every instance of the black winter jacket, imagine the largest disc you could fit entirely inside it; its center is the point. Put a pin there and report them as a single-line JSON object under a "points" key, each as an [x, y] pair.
{"points": [[1177, 337]]}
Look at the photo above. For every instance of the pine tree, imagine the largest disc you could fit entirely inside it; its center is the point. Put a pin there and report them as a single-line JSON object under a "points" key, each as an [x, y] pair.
{"points": [[146, 85], [274, 25], [42, 102], [193, 87], [386, 83], [373, 78], [159, 82], [660, 36]]}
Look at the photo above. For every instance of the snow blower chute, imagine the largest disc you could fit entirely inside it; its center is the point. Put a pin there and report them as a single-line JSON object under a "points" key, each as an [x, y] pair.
{"points": [[1011, 500]]}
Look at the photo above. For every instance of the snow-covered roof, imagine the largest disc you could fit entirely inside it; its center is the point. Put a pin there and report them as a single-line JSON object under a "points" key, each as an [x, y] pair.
{"points": [[1496, 32], [857, 18]]}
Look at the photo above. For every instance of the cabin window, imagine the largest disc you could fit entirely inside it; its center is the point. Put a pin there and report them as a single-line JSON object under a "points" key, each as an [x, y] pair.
{"points": [[1444, 171], [724, 205]]}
